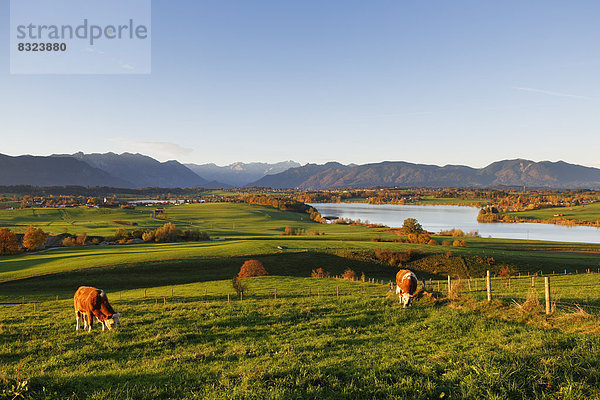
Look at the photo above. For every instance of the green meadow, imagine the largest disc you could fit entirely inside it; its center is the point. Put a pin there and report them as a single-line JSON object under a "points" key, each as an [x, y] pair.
{"points": [[358, 344], [586, 212], [185, 334]]}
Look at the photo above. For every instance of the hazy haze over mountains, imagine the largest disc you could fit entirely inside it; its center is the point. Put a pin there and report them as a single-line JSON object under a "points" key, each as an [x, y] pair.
{"points": [[129, 170]]}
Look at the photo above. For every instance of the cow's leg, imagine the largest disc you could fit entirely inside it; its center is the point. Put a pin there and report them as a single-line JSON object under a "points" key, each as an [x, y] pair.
{"points": [[101, 323], [77, 318], [90, 321]]}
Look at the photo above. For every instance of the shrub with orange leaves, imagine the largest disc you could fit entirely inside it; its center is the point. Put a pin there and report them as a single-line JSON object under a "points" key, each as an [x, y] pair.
{"points": [[252, 268]]}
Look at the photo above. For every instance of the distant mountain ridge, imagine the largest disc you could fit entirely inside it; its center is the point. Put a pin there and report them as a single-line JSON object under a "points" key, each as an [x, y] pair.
{"points": [[53, 171], [240, 174], [518, 172], [142, 171], [129, 170]]}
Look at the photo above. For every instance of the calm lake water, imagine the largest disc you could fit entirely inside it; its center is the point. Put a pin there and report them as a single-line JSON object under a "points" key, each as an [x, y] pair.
{"points": [[437, 218]]}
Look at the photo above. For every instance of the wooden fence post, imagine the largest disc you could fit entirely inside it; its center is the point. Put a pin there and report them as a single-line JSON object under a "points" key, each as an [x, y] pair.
{"points": [[547, 284], [57, 298], [241, 296], [488, 284], [171, 291], [337, 291], [228, 300], [469, 284], [164, 300], [34, 307], [533, 281], [275, 295], [144, 292], [438, 286], [449, 284]]}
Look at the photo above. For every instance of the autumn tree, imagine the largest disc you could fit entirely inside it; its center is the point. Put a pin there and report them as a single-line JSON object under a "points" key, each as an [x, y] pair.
{"points": [[319, 273], [34, 238], [252, 268], [349, 275], [411, 225], [81, 239], [9, 244], [168, 233]]}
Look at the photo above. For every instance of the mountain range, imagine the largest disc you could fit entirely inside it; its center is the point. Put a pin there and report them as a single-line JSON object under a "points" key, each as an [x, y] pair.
{"points": [[519, 172], [240, 174], [129, 170]]}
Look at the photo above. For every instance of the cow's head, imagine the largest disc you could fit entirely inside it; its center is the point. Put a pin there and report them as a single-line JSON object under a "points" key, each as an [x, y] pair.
{"points": [[113, 321], [406, 299]]}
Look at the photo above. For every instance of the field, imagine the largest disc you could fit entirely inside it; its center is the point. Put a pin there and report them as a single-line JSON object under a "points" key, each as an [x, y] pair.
{"points": [[181, 338], [587, 213], [357, 345]]}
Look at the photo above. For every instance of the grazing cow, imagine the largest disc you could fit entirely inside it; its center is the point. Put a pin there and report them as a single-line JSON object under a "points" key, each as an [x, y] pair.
{"points": [[406, 286], [91, 301]]}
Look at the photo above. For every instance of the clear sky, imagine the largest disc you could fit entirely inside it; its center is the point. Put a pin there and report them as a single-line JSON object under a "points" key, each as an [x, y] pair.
{"points": [[438, 82]]}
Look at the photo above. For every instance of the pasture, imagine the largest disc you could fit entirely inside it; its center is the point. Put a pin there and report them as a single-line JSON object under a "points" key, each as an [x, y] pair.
{"points": [[357, 345], [587, 213]]}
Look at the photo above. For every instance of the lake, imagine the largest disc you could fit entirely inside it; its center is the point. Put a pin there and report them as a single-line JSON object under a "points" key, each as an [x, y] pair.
{"points": [[437, 218]]}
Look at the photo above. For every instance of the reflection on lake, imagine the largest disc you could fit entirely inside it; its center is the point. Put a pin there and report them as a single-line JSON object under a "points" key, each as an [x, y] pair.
{"points": [[437, 218]]}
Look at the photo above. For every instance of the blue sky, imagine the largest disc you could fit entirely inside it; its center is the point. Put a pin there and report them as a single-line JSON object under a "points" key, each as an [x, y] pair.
{"points": [[438, 82]]}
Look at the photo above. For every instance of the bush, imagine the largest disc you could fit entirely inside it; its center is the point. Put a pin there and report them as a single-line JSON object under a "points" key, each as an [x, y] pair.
{"points": [[446, 243], [120, 233], [459, 243], [9, 243], [252, 268], [391, 257], [432, 242], [81, 239], [349, 275], [34, 238], [289, 231], [239, 286], [148, 236], [194, 235], [68, 242], [319, 273], [167, 233]]}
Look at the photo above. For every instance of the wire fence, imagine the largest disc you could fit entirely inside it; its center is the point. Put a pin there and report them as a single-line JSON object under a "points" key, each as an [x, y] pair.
{"points": [[570, 291]]}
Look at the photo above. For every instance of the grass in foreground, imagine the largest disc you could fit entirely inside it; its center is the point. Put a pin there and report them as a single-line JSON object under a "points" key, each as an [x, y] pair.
{"points": [[355, 346]]}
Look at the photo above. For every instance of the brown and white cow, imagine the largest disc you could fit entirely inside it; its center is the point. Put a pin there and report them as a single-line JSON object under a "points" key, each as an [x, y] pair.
{"points": [[406, 286], [89, 302]]}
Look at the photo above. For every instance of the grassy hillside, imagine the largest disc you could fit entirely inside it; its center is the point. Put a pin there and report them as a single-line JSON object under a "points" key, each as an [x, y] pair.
{"points": [[256, 232], [218, 219], [360, 345], [587, 213]]}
